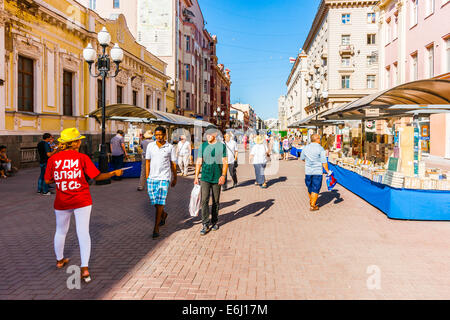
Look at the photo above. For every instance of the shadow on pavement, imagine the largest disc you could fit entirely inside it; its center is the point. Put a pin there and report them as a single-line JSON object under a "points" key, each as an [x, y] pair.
{"points": [[257, 207], [328, 196], [275, 181]]}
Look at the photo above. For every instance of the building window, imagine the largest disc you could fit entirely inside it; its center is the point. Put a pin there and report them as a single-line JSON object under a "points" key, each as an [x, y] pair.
{"points": [[158, 104], [205, 86], [371, 82], [345, 82], [147, 101], [67, 94], [188, 68], [429, 9], [92, 4], [188, 43], [99, 93], [188, 101], [371, 16], [119, 91], [414, 12], [206, 64], [395, 29], [205, 109], [371, 60], [388, 31], [346, 18], [388, 77], [345, 61], [179, 39], [345, 39], [116, 4], [414, 68], [371, 38], [447, 42], [396, 74], [135, 94], [430, 53], [25, 85]]}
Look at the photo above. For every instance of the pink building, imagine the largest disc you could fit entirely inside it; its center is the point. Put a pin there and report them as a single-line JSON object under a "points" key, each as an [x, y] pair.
{"points": [[415, 45]]}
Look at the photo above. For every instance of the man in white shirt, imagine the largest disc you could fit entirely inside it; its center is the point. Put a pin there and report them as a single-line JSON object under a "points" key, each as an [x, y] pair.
{"points": [[183, 154], [232, 155], [160, 169]]}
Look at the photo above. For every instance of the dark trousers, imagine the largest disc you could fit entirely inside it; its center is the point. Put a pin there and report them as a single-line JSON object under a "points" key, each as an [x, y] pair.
{"points": [[205, 195], [232, 171], [42, 186], [117, 163]]}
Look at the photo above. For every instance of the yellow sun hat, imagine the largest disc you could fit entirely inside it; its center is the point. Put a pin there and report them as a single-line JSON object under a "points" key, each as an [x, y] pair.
{"points": [[70, 134], [259, 139]]}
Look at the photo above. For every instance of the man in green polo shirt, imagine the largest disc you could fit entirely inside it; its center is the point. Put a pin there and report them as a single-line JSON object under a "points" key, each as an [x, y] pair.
{"points": [[213, 162]]}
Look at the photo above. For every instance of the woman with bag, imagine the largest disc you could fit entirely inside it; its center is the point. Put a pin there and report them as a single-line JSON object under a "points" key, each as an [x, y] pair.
{"points": [[67, 169], [258, 157], [232, 154]]}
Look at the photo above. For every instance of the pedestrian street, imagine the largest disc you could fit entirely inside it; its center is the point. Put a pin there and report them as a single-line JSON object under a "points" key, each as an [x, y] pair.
{"points": [[269, 245]]}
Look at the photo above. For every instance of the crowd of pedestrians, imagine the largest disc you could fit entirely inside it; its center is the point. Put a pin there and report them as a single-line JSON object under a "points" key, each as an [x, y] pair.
{"points": [[64, 166]]}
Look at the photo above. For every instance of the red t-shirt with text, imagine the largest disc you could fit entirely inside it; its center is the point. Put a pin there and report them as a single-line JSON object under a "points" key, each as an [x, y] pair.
{"points": [[68, 168]]}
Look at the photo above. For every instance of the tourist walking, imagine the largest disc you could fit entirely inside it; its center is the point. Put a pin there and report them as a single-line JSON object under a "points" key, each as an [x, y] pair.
{"points": [[213, 162], [5, 163], [232, 155], [315, 159], [67, 169], [183, 155], [148, 138], [45, 152], [275, 147], [161, 171], [258, 157], [285, 146], [118, 152]]}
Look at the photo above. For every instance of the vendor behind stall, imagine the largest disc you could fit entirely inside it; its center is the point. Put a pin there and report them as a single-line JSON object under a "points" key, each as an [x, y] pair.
{"points": [[118, 152]]}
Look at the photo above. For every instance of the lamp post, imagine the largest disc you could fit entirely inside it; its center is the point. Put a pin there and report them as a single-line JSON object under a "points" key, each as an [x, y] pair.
{"points": [[317, 98], [219, 115], [104, 66]]}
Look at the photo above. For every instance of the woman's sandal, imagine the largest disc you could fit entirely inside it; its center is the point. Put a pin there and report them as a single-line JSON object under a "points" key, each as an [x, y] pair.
{"points": [[85, 275], [62, 263]]}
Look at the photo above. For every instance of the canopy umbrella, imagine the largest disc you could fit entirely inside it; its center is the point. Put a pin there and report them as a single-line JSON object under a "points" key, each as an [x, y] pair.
{"points": [[124, 112], [430, 93]]}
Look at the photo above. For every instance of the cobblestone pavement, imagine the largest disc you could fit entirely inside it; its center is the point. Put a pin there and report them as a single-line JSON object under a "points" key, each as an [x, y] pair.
{"points": [[269, 246]]}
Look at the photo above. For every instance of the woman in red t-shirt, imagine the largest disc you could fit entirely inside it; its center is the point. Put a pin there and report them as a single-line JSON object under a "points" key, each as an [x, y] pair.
{"points": [[67, 170]]}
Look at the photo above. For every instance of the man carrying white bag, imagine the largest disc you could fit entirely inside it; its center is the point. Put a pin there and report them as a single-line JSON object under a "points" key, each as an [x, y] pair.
{"points": [[195, 203]]}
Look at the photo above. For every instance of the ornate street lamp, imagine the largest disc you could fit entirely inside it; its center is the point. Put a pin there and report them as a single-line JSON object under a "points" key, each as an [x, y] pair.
{"points": [[317, 98], [104, 66], [219, 115]]}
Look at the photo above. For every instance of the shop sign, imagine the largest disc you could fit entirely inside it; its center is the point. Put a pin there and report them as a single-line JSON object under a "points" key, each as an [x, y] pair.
{"points": [[373, 112]]}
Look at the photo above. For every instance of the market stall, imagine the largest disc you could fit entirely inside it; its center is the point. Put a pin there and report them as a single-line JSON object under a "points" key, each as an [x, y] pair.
{"points": [[139, 120], [388, 170]]}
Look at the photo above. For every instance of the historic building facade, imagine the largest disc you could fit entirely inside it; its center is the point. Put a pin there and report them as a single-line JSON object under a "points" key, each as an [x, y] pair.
{"points": [[342, 53], [45, 83], [174, 30], [415, 37]]}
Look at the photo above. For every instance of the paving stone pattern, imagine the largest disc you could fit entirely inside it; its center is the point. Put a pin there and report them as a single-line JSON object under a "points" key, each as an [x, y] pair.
{"points": [[269, 245]]}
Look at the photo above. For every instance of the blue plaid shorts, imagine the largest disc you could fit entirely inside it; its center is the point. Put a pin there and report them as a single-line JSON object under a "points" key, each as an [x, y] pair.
{"points": [[157, 191]]}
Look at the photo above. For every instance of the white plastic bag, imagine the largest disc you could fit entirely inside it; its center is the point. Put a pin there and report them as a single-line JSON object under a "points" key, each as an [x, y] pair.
{"points": [[194, 205]]}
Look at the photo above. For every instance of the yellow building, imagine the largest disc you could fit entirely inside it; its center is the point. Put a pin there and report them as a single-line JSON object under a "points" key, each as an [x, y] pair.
{"points": [[45, 85]]}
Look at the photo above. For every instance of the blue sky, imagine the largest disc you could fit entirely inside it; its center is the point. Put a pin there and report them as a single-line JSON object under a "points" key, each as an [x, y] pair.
{"points": [[255, 40]]}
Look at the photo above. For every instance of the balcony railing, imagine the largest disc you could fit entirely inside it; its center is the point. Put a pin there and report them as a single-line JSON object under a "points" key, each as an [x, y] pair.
{"points": [[346, 49]]}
